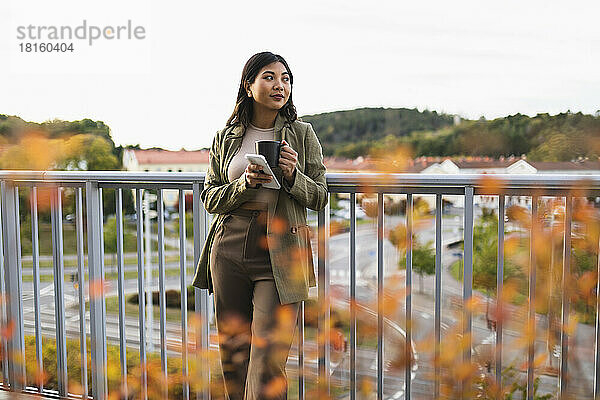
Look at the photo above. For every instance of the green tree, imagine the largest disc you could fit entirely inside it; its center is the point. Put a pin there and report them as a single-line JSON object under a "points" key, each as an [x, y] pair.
{"points": [[110, 237], [485, 255], [334, 201], [88, 152], [423, 260], [189, 225]]}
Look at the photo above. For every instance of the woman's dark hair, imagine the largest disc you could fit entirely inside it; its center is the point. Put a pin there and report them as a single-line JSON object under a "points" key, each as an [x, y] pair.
{"points": [[242, 113]]}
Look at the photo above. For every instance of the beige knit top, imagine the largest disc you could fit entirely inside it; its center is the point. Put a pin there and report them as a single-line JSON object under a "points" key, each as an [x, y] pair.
{"points": [[238, 163]]}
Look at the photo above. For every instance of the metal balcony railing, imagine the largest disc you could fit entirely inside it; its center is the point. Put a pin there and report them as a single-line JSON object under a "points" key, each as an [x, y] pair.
{"points": [[89, 223]]}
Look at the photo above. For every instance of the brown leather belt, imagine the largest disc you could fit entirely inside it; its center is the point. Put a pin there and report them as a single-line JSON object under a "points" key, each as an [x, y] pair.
{"points": [[255, 205]]}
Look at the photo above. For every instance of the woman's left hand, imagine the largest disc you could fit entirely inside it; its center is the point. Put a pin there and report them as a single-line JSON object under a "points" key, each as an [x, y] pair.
{"points": [[287, 161]]}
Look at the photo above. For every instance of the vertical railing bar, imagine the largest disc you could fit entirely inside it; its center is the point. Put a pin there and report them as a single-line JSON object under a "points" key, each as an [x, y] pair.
{"points": [[324, 301], [149, 271], [531, 306], [438, 292], [7, 369], [59, 292], [499, 287], [564, 336], [161, 284], [550, 317], [468, 275], [102, 277], [121, 288], [352, 296], [3, 289], [597, 341], [202, 393], [207, 305], [201, 295], [408, 283], [183, 285], [141, 293], [301, 384], [20, 325], [12, 283], [96, 285], [35, 255], [80, 289], [380, 296], [300, 323]]}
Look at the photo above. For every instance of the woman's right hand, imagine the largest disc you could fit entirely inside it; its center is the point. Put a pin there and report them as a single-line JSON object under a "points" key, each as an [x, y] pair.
{"points": [[255, 175]]}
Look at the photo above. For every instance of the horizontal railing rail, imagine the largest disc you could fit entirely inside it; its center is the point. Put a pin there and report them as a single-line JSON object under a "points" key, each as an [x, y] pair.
{"points": [[89, 186]]}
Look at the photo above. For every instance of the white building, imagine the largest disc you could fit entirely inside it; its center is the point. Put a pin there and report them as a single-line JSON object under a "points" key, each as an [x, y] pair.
{"points": [[155, 160], [512, 165]]}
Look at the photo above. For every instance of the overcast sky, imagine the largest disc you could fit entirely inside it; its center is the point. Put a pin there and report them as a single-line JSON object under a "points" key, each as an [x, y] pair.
{"points": [[176, 87]]}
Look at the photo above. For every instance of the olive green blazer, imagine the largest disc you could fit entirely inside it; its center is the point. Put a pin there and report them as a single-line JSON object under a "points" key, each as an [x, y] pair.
{"points": [[288, 235]]}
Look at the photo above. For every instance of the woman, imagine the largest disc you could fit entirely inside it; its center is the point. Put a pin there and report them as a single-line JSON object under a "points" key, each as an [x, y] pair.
{"points": [[257, 258]]}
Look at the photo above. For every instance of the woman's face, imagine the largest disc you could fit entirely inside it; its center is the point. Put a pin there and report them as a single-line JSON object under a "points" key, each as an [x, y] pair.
{"points": [[271, 88]]}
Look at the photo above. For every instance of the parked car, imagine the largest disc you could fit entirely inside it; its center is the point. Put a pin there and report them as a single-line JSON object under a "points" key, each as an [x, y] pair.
{"points": [[130, 217], [345, 213]]}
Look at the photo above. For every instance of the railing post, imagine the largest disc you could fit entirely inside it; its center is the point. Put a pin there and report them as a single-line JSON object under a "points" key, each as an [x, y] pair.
{"points": [[101, 279], [12, 275], [353, 325], [3, 308], [438, 293], [97, 322], [59, 291], [380, 295], [499, 288], [80, 290], [201, 295], [141, 294], [161, 291], [408, 315], [468, 281], [324, 301], [531, 328], [121, 288], [35, 255], [597, 334], [564, 335], [183, 294]]}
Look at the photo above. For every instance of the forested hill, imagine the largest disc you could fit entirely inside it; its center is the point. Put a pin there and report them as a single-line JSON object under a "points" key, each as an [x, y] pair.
{"points": [[339, 128], [562, 137], [13, 127], [87, 144], [544, 137]]}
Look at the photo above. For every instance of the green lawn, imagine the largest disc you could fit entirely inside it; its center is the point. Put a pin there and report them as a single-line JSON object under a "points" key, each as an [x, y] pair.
{"points": [[132, 310], [111, 275], [70, 236], [109, 260]]}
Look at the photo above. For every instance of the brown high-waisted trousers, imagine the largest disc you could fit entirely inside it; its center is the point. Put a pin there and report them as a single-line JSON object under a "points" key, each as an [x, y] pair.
{"points": [[255, 330]]}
